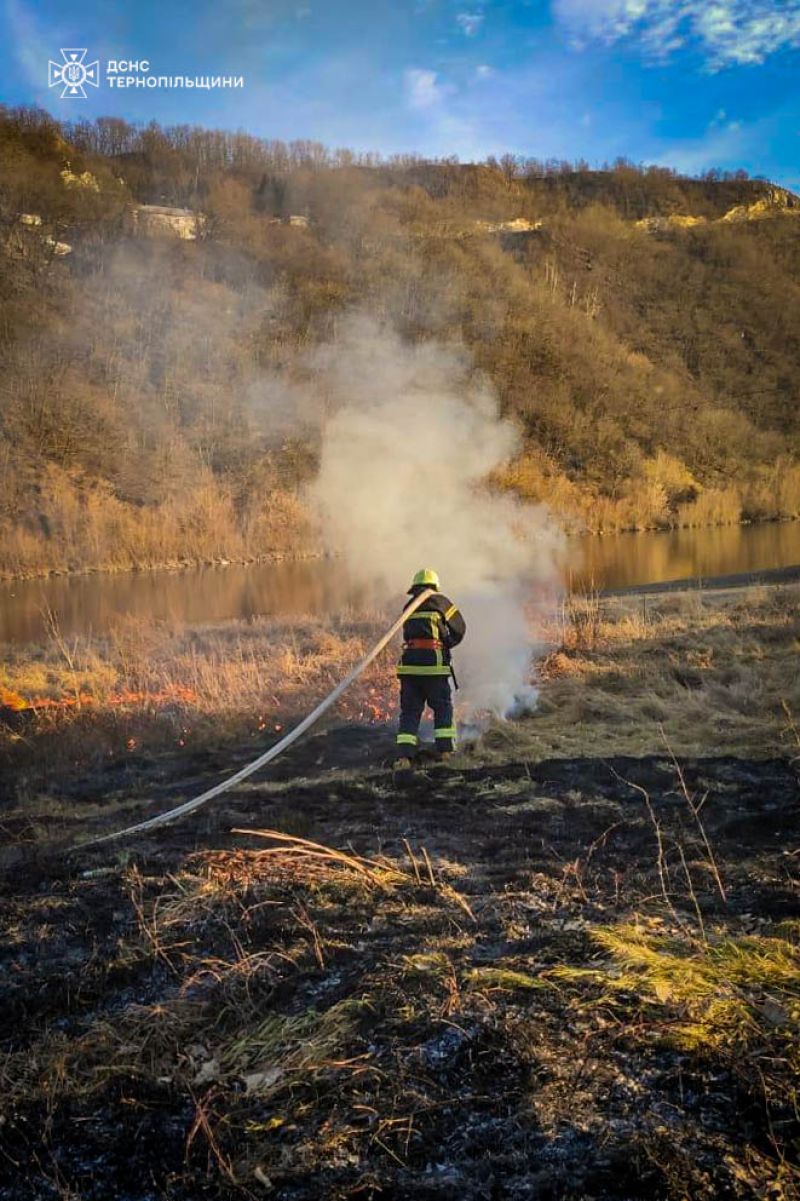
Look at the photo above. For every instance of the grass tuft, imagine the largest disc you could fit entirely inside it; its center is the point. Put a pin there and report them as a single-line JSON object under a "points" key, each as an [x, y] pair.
{"points": [[738, 996]]}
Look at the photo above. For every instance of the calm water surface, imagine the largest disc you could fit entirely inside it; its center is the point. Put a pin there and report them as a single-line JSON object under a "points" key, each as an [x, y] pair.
{"points": [[97, 602]]}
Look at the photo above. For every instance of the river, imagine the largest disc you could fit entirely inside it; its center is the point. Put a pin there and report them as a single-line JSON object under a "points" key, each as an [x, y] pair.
{"points": [[94, 603]]}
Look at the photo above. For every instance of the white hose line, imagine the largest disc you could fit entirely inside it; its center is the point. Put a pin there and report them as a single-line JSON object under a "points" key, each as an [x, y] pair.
{"points": [[163, 819]]}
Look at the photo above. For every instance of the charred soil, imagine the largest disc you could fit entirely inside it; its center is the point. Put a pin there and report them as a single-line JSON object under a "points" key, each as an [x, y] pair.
{"points": [[573, 978]]}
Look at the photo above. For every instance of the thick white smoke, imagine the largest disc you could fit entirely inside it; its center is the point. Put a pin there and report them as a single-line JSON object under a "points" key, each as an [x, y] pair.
{"points": [[405, 454]]}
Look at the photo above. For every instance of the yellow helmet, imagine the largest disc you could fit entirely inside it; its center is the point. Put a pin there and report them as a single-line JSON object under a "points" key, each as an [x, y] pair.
{"points": [[427, 577]]}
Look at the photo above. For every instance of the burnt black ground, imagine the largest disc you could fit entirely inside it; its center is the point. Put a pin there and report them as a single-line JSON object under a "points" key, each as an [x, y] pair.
{"points": [[511, 1095]]}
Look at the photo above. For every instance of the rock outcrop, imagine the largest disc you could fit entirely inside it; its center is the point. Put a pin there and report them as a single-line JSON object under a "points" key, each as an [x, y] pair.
{"points": [[156, 220]]}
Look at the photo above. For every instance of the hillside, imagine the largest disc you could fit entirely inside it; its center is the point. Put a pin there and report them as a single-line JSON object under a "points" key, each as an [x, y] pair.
{"points": [[163, 397]]}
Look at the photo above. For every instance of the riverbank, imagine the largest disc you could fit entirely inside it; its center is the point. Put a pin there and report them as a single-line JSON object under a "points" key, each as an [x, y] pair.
{"points": [[166, 567], [320, 587], [735, 580], [293, 553], [563, 965]]}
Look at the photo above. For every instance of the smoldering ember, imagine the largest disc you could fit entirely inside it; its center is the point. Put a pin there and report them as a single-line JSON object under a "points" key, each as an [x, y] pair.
{"points": [[400, 566]]}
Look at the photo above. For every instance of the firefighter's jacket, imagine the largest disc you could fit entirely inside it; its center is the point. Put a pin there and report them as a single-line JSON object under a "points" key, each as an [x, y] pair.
{"points": [[429, 634]]}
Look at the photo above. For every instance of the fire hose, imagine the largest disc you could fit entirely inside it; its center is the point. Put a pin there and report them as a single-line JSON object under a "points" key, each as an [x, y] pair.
{"points": [[163, 819]]}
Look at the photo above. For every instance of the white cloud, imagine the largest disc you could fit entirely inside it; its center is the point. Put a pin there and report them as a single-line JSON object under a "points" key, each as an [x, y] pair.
{"points": [[722, 145], [423, 88], [729, 32], [484, 71], [446, 123], [469, 23]]}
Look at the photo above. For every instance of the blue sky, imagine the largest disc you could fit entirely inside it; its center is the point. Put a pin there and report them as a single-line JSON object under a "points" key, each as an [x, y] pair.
{"points": [[690, 83]]}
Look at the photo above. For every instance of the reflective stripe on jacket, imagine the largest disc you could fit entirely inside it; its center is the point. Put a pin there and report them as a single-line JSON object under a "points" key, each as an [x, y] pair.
{"points": [[439, 621]]}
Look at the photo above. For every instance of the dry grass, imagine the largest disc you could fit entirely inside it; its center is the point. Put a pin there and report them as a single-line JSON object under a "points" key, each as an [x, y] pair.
{"points": [[705, 672], [224, 668], [652, 500], [550, 971], [736, 997], [697, 672], [151, 688], [92, 529]]}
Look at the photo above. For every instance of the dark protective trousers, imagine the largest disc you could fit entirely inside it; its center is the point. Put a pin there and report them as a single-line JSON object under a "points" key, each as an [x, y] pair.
{"points": [[415, 693]]}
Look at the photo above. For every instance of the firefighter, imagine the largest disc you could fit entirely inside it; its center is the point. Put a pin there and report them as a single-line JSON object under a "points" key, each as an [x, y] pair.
{"points": [[425, 670]]}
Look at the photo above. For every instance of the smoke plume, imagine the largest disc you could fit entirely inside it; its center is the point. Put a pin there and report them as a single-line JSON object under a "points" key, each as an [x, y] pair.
{"points": [[413, 434]]}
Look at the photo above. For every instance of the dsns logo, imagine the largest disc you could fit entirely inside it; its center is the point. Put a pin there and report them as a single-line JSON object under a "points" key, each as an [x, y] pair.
{"points": [[73, 73]]}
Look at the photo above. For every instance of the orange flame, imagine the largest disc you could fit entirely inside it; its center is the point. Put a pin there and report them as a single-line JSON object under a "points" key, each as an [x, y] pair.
{"points": [[12, 700], [372, 707]]}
